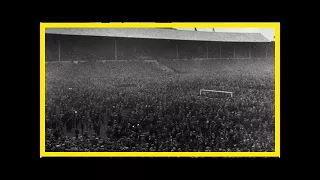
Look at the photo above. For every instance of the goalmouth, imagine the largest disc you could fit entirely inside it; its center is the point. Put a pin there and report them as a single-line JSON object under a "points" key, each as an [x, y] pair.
{"points": [[223, 92]]}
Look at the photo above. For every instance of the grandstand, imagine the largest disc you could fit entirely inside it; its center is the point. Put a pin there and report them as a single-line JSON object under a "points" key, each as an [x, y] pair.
{"points": [[87, 44]]}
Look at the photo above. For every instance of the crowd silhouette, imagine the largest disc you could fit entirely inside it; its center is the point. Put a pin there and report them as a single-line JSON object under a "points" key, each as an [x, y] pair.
{"points": [[134, 107]]}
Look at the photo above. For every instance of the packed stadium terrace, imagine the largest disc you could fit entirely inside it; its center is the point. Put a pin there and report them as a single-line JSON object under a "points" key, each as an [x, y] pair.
{"points": [[132, 106]]}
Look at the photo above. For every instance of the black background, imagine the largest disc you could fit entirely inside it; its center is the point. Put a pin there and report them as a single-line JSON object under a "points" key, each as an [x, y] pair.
{"points": [[150, 168]]}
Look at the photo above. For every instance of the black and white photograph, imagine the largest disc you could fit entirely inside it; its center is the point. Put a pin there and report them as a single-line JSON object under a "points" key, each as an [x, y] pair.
{"points": [[159, 89]]}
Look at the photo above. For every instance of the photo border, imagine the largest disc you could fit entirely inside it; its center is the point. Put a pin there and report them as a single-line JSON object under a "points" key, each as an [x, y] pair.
{"points": [[276, 27]]}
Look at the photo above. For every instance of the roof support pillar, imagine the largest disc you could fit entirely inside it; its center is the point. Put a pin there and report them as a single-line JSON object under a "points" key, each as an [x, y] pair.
{"points": [[177, 51], [59, 50], [115, 50], [220, 51], [234, 51], [207, 51], [267, 50], [250, 52]]}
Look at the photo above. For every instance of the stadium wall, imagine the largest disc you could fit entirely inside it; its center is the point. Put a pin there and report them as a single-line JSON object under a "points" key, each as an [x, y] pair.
{"points": [[87, 48]]}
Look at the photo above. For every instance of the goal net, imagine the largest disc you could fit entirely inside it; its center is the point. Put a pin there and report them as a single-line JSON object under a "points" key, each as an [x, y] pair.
{"points": [[215, 93]]}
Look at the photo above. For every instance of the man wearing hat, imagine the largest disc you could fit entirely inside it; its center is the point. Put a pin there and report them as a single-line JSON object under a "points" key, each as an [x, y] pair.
{"points": [[98, 128], [54, 123], [68, 124], [82, 125], [76, 132]]}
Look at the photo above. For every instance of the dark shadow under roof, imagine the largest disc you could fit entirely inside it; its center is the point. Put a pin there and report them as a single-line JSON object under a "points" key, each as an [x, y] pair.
{"points": [[156, 33]]}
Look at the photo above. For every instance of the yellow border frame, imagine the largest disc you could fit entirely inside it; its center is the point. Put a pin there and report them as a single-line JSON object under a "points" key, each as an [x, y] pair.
{"points": [[276, 26]]}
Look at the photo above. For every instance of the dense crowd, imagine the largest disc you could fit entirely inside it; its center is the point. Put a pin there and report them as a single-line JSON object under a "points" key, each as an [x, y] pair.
{"points": [[161, 113]]}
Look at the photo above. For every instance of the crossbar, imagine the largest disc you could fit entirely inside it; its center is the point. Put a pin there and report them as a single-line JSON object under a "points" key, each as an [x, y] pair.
{"points": [[216, 91]]}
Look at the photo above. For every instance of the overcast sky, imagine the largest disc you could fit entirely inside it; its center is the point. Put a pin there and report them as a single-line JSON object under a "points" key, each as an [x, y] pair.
{"points": [[267, 32]]}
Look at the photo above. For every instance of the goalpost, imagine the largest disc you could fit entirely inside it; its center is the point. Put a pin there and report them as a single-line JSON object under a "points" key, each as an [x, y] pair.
{"points": [[207, 90]]}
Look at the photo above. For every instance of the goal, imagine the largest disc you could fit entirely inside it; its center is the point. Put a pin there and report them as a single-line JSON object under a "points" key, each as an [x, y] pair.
{"points": [[215, 93]]}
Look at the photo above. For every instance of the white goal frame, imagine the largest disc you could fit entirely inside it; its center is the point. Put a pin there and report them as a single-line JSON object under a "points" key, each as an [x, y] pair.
{"points": [[208, 90]]}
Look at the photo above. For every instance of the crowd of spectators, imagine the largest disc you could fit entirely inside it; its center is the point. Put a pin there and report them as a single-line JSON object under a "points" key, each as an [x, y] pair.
{"points": [[87, 111]]}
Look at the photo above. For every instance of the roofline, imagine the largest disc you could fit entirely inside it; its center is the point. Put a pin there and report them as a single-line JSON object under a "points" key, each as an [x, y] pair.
{"points": [[159, 38], [167, 38]]}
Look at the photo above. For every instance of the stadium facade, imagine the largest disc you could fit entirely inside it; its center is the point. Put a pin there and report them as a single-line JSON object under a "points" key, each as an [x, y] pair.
{"points": [[90, 44]]}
